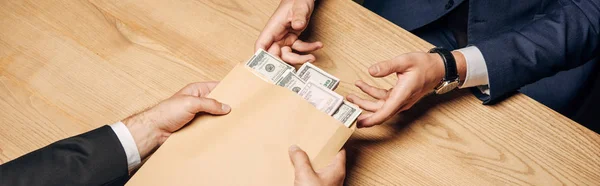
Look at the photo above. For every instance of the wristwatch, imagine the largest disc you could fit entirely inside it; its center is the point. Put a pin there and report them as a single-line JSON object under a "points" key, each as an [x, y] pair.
{"points": [[451, 79]]}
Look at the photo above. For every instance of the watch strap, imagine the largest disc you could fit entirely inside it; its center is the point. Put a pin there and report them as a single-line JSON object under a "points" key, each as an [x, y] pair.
{"points": [[449, 63]]}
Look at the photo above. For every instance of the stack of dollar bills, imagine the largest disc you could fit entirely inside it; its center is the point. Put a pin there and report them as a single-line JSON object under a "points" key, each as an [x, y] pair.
{"points": [[310, 82]]}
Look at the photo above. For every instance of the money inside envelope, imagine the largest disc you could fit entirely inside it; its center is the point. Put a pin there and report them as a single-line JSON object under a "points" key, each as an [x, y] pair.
{"points": [[310, 82]]}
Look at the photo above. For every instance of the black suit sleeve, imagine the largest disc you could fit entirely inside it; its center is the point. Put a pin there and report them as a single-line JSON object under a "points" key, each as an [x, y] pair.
{"points": [[92, 158]]}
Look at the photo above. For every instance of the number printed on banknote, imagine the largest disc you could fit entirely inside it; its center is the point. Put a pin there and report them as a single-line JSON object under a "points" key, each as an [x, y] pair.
{"points": [[268, 65], [347, 113], [322, 98], [310, 72], [290, 81]]}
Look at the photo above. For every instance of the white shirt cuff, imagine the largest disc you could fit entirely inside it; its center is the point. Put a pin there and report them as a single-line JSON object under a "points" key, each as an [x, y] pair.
{"points": [[484, 89], [126, 139], [477, 73]]}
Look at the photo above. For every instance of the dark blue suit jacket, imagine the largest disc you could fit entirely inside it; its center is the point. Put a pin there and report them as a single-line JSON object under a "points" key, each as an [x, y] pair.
{"points": [[522, 41]]}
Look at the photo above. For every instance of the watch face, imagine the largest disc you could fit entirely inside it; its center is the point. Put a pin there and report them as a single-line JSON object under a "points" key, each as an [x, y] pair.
{"points": [[446, 87]]}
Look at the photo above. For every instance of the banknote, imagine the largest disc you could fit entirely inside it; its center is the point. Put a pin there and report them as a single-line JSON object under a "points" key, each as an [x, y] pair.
{"points": [[291, 81], [268, 65], [322, 98], [311, 72], [347, 113]]}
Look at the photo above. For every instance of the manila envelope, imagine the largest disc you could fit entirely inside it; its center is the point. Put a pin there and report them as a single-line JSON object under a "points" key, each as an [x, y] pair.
{"points": [[248, 146]]}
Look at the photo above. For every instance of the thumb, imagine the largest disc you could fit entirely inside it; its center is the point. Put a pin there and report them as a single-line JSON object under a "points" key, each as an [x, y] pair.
{"points": [[340, 161], [301, 163], [335, 173], [208, 105], [388, 67], [301, 11]]}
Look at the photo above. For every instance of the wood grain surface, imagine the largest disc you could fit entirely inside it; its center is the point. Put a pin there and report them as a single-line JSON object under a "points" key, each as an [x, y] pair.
{"points": [[67, 67]]}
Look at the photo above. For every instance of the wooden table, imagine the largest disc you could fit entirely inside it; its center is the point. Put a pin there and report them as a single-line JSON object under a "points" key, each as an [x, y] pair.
{"points": [[68, 66]]}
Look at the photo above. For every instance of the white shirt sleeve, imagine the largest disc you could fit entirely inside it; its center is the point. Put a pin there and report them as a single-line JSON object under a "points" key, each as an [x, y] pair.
{"points": [[477, 74], [126, 139]]}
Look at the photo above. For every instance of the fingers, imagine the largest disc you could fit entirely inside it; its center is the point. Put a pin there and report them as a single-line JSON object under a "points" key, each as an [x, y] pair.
{"points": [[208, 86], [289, 56], [384, 68], [411, 102], [267, 36], [204, 88], [335, 172], [365, 104], [200, 89], [263, 42], [302, 46], [339, 167], [195, 105], [363, 116], [275, 30], [275, 50], [301, 11], [340, 161], [372, 91], [397, 98], [301, 163], [282, 20]]}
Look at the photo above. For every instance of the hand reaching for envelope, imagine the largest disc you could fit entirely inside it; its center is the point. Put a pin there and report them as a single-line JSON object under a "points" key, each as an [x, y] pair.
{"points": [[280, 35], [153, 126], [418, 72]]}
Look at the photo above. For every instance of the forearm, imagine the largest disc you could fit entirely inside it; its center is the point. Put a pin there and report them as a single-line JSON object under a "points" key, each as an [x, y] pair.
{"points": [[461, 65], [147, 137]]}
